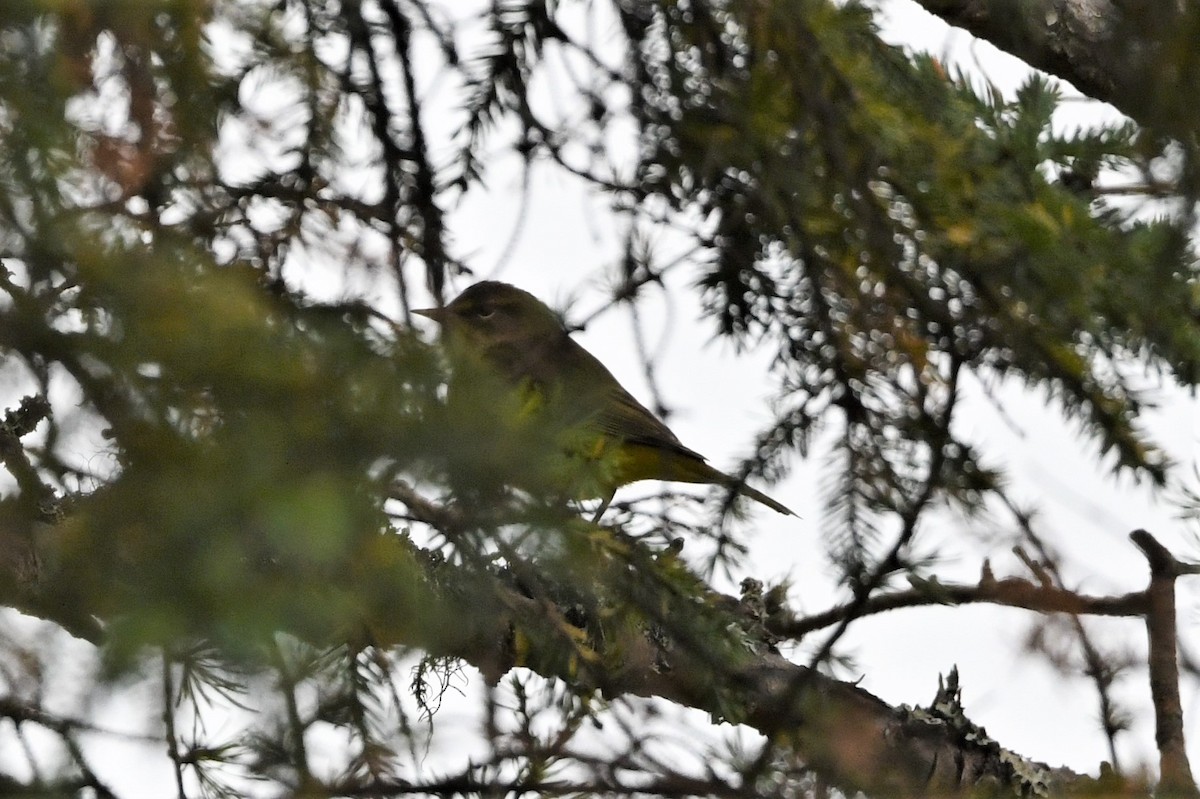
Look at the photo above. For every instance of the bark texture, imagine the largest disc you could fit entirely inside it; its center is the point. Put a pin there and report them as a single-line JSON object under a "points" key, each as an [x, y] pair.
{"points": [[1138, 58]]}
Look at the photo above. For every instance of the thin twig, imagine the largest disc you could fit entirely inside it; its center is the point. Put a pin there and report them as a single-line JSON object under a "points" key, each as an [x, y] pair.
{"points": [[1011, 592], [168, 684], [287, 687]]}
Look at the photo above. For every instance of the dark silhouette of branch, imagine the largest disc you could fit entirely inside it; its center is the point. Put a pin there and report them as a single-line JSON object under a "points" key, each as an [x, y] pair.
{"points": [[1176, 772], [16, 424], [1100, 669], [67, 731], [1011, 592], [674, 785], [432, 230]]}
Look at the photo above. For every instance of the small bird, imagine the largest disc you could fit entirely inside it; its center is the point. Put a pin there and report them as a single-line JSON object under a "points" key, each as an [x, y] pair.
{"points": [[512, 334]]}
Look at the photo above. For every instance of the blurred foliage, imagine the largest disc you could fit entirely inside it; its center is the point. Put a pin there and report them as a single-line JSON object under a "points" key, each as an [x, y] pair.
{"points": [[212, 214], [884, 227]]}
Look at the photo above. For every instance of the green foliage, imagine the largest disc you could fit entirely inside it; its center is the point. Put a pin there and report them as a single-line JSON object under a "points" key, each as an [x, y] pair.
{"points": [[231, 444], [883, 227]]}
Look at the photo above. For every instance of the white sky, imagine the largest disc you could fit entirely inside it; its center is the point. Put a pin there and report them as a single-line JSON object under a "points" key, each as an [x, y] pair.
{"points": [[566, 242]]}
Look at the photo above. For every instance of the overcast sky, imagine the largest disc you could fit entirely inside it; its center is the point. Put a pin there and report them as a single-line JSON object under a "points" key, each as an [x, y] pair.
{"points": [[561, 241]]}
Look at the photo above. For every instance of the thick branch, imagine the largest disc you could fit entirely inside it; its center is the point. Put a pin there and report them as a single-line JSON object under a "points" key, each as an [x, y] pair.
{"points": [[405, 597], [848, 735], [1105, 53]]}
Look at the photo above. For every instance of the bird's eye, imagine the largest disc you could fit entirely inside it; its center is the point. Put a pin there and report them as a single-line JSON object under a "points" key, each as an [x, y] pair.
{"points": [[485, 313]]}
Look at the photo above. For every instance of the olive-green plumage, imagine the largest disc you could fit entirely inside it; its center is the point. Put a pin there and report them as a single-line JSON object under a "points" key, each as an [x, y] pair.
{"points": [[513, 333]]}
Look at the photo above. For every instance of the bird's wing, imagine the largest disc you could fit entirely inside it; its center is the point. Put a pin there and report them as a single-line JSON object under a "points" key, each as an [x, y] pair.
{"points": [[624, 418], [589, 395], [605, 406]]}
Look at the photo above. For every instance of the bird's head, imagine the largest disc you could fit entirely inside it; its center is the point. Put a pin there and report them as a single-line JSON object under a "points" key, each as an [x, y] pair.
{"points": [[491, 314]]}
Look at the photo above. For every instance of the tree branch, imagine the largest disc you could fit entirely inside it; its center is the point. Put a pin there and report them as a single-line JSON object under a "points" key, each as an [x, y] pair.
{"points": [[1010, 592], [850, 737], [1176, 772], [1107, 53]]}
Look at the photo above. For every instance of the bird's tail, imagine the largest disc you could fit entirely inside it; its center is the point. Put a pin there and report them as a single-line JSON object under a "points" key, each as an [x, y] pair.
{"points": [[701, 472], [658, 462], [759, 496]]}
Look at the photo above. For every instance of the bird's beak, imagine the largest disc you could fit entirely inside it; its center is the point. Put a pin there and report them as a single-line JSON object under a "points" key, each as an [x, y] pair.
{"points": [[436, 314]]}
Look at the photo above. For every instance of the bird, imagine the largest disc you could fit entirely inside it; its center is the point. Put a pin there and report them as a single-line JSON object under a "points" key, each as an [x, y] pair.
{"points": [[497, 330]]}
